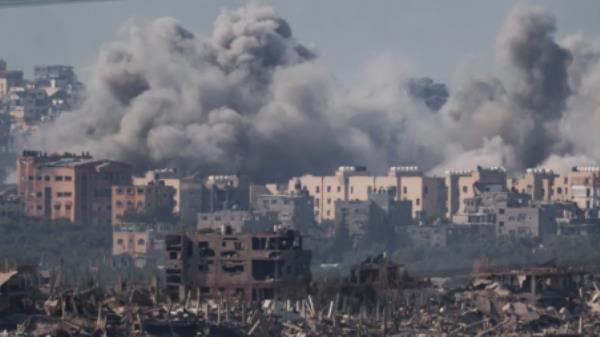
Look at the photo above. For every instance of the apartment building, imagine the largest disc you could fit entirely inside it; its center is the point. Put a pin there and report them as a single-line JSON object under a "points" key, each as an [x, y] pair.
{"points": [[68, 186], [462, 185], [165, 177], [9, 79], [509, 213], [248, 266], [427, 194], [581, 185], [376, 218], [143, 244], [152, 202], [292, 210], [584, 183], [538, 183]]}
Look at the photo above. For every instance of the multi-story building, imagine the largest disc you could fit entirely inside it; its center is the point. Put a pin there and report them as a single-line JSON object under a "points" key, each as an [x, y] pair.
{"points": [[377, 218], [237, 220], [165, 177], [538, 183], [194, 194], [584, 186], [60, 75], [292, 210], [225, 192], [250, 266], [9, 79], [11, 206], [427, 194], [142, 243], [69, 186], [152, 202], [27, 106], [462, 185], [510, 213]]}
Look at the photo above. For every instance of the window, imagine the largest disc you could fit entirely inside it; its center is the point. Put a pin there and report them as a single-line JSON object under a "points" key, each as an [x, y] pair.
{"points": [[418, 201], [351, 189], [140, 191], [120, 241], [425, 190], [328, 188], [68, 178], [273, 201], [328, 201], [501, 224], [317, 189], [404, 190], [141, 242], [465, 189], [559, 190], [58, 178], [501, 211], [339, 189], [46, 178], [328, 212], [316, 201]]}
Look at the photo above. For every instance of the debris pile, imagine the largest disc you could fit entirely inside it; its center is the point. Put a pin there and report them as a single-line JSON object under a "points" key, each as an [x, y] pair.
{"points": [[539, 301]]}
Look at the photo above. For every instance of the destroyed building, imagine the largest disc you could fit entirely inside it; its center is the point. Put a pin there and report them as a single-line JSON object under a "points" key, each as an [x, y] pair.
{"points": [[16, 284], [250, 266], [531, 296]]}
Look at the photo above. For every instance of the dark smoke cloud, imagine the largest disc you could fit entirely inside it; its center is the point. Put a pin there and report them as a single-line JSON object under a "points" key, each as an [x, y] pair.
{"points": [[251, 98], [434, 95]]}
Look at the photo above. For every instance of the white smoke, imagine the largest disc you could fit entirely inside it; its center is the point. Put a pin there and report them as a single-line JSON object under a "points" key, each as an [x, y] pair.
{"points": [[252, 98]]}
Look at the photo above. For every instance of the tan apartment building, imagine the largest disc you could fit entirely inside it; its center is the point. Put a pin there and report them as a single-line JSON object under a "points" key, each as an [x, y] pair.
{"points": [[69, 186], [427, 194], [462, 185], [581, 185], [154, 202], [542, 184], [144, 244], [584, 183]]}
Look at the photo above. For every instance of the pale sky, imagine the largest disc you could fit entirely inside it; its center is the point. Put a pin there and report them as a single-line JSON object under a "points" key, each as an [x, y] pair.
{"points": [[432, 36]]}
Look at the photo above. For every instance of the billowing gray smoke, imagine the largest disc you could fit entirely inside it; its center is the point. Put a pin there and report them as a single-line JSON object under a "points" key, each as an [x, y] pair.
{"points": [[252, 98]]}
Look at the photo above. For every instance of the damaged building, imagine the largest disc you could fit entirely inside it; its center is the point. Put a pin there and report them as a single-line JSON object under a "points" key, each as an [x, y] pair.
{"points": [[249, 266]]}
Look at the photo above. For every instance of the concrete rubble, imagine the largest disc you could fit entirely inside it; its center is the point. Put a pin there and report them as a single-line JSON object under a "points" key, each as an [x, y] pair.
{"points": [[538, 301]]}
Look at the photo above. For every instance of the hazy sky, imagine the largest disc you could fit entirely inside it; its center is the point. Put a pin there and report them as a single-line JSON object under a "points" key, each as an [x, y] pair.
{"points": [[432, 36]]}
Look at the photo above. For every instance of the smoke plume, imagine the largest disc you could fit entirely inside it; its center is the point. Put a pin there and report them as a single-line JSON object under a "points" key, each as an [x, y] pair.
{"points": [[252, 98]]}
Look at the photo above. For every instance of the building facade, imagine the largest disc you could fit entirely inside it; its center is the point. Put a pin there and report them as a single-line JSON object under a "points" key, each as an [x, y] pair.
{"points": [[427, 194], [377, 218], [66, 186], [249, 266], [143, 244], [152, 202], [462, 185]]}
